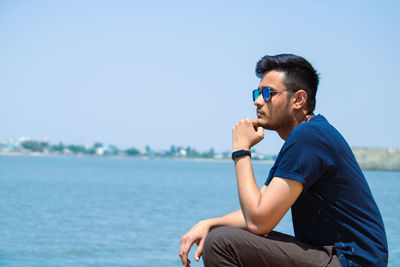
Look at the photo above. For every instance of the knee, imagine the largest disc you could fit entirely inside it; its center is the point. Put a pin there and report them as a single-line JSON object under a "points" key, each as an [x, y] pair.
{"points": [[219, 235], [218, 240]]}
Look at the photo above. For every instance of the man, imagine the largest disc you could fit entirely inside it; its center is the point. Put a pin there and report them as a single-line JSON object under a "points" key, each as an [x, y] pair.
{"points": [[335, 218]]}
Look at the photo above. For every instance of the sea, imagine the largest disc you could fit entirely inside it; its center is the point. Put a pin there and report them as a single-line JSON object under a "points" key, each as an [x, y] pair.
{"points": [[96, 211]]}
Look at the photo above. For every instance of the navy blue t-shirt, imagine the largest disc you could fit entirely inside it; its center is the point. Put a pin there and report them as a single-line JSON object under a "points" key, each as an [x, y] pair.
{"points": [[336, 206]]}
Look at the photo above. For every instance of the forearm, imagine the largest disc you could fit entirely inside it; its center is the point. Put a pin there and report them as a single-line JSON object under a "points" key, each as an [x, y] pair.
{"points": [[249, 193], [235, 219], [263, 209], [245, 135]]}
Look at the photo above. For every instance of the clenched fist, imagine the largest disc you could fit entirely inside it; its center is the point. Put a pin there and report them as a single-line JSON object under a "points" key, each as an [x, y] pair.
{"points": [[246, 134]]}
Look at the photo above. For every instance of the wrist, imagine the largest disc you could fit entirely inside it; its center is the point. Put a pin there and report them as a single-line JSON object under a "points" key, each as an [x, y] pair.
{"points": [[240, 153], [210, 223], [240, 148]]}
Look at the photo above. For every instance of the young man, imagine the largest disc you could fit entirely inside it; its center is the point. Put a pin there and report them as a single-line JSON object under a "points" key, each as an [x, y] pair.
{"points": [[335, 218]]}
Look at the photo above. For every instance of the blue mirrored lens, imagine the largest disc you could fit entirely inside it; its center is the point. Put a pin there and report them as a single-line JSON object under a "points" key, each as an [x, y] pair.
{"points": [[266, 92], [256, 94]]}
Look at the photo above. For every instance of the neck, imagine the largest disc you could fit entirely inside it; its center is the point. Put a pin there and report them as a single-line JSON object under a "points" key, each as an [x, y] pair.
{"points": [[298, 118]]}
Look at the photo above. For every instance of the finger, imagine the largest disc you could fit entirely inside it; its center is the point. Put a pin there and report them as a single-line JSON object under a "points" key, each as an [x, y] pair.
{"points": [[255, 124], [199, 250], [183, 241], [185, 251], [181, 251], [249, 121], [183, 244]]}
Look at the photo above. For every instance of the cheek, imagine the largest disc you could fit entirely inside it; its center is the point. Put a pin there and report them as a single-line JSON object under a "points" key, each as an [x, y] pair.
{"points": [[280, 104]]}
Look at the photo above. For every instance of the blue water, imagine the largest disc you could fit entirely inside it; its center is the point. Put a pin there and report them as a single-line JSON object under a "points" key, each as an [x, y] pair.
{"points": [[70, 211]]}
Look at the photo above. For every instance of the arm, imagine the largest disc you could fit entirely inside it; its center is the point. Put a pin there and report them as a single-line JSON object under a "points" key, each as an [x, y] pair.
{"points": [[263, 209], [199, 232], [235, 219]]}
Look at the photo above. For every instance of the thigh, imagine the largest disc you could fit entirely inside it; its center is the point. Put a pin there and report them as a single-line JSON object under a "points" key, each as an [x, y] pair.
{"points": [[230, 246]]}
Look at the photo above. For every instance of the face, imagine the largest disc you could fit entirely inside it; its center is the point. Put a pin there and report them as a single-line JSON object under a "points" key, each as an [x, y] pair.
{"points": [[275, 114]]}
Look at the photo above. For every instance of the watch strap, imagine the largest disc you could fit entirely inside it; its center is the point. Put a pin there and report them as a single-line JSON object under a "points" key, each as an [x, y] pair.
{"points": [[240, 153]]}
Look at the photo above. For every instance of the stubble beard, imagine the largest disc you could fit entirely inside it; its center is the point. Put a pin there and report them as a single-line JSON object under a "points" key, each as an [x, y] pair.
{"points": [[280, 120]]}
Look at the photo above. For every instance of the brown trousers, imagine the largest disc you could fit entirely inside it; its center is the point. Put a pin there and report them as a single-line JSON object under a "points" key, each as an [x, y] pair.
{"points": [[230, 246]]}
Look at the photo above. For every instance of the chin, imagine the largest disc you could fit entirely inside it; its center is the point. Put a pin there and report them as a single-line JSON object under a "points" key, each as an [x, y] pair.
{"points": [[267, 125], [263, 123]]}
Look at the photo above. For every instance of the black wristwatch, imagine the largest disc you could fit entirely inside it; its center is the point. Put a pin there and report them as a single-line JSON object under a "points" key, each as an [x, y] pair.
{"points": [[240, 153]]}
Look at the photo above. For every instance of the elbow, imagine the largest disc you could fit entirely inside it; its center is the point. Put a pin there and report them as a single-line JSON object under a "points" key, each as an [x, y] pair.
{"points": [[258, 229]]}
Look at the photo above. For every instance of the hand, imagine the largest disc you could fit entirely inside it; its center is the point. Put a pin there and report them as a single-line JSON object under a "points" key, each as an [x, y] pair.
{"points": [[196, 235], [246, 134]]}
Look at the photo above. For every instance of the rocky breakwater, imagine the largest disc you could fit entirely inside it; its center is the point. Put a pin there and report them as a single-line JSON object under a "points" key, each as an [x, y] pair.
{"points": [[387, 159]]}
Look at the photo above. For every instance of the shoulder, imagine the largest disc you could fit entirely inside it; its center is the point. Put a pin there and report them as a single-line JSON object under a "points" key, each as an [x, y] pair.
{"points": [[316, 133], [311, 130]]}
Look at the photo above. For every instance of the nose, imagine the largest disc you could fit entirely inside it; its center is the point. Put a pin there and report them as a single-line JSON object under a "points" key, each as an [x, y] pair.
{"points": [[259, 101]]}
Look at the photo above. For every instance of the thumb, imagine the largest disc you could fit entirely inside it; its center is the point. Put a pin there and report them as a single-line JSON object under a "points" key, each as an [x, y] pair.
{"points": [[260, 131], [199, 250]]}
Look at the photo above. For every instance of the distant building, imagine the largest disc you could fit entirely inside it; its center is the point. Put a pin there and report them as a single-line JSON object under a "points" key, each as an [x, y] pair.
{"points": [[182, 152], [100, 151]]}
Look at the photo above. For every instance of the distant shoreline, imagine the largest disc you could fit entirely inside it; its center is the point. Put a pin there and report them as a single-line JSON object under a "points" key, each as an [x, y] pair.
{"points": [[38, 154], [364, 166]]}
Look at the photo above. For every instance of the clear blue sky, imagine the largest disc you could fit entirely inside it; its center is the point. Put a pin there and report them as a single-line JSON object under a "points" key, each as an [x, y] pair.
{"points": [[181, 72]]}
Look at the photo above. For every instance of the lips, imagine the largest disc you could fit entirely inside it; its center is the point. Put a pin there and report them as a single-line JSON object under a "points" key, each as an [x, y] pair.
{"points": [[260, 113]]}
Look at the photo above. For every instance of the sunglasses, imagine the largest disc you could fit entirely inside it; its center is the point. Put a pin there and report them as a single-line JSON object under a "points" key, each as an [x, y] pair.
{"points": [[266, 93]]}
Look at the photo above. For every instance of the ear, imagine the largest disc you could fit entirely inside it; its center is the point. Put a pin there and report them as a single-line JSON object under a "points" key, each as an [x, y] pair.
{"points": [[300, 99]]}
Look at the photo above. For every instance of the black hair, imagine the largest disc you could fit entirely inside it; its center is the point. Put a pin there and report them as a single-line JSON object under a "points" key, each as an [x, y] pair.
{"points": [[299, 74]]}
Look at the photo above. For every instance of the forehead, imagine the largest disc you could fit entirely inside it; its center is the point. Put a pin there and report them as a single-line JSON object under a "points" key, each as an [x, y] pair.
{"points": [[273, 79]]}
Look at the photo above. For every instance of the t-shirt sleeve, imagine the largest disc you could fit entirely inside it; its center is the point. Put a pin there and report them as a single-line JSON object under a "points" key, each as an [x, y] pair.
{"points": [[305, 156]]}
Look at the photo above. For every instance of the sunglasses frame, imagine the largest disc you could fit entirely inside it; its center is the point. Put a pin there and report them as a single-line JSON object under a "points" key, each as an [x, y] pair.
{"points": [[269, 90]]}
